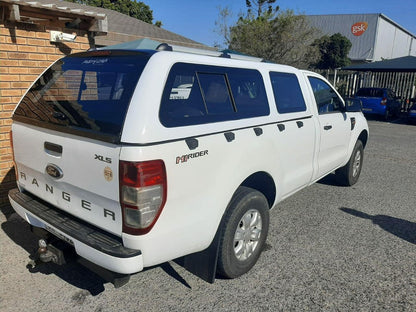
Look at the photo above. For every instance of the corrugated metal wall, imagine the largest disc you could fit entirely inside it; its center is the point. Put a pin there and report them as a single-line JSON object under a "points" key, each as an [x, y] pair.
{"points": [[391, 41], [363, 45], [383, 38]]}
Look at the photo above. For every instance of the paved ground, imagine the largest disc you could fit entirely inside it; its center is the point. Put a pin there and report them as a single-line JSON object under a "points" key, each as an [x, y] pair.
{"points": [[330, 248]]}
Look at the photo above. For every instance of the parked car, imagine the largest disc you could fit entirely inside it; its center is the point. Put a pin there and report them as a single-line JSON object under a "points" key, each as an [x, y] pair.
{"points": [[181, 157], [411, 114], [379, 101]]}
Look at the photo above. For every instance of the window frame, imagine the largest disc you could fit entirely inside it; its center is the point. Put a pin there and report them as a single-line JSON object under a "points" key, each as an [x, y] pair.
{"points": [[239, 111], [341, 104], [281, 111]]}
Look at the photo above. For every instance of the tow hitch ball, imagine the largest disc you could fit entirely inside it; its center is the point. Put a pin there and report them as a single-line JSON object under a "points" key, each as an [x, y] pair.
{"points": [[46, 253]]}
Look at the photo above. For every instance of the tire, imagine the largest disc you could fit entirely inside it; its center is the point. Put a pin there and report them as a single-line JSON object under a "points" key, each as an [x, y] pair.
{"points": [[243, 232], [387, 115], [349, 174]]}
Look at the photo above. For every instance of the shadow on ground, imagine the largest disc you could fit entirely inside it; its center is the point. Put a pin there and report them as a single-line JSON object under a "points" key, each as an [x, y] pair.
{"points": [[403, 229]]}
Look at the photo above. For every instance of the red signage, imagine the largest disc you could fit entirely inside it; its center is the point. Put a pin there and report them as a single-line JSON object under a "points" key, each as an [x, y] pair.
{"points": [[359, 28]]}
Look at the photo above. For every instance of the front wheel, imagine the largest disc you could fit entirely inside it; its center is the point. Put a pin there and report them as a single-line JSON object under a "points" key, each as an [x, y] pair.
{"points": [[349, 174], [243, 233]]}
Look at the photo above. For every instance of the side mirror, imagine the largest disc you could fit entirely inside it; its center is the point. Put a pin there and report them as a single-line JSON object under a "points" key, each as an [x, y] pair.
{"points": [[353, 105]]}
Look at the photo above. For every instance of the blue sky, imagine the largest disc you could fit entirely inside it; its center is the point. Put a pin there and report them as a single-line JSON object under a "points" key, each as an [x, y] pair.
{"points": [[196, 19]]}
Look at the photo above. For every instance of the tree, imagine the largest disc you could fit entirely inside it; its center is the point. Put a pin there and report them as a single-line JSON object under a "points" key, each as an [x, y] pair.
{"points": [[260, 5], [281, 37], [333, 51], [131, 8]]}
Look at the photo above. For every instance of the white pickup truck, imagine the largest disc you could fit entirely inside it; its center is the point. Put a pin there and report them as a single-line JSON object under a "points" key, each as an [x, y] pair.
{"points": [[135, 158]]}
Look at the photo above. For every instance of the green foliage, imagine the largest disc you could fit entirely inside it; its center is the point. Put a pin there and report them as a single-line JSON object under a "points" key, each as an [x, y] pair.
{"points": [[280, 37], [260, 5], [131, 8], [333, 51]]}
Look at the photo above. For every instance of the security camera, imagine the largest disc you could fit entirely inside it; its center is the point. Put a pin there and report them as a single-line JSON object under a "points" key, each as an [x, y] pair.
{"points": [[58, 36], [68, 37]]}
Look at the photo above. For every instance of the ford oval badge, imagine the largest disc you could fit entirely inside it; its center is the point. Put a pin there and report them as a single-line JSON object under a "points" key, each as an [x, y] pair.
{"points": [[54, 171]]}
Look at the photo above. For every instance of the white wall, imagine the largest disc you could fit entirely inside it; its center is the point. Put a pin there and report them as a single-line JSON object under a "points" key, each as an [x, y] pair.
{"points": [[392, 42]]}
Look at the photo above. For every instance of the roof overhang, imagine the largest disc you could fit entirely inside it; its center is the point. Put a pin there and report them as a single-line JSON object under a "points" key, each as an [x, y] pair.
{"points": [[38, 13]]}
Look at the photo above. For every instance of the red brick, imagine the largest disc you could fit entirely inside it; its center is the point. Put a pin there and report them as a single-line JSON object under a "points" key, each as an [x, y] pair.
{"points": [[17, 40], [9, 77], [9, 63], [24, 85], [25, 48], [36, 42], [54, 57], [18, 56], [49, 50], [4, 129], [25, 33], [43, 35], [18, 70], [5, 100], [9, 107], [44, 64], [6, 158], [11, 92], [30, 78], [29, 63], [36, 71], [4, 31], [8, 47], [36, 56]]}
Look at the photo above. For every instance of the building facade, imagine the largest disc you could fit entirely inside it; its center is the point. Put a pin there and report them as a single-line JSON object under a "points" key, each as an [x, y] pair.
{"points": [[373, 36]]}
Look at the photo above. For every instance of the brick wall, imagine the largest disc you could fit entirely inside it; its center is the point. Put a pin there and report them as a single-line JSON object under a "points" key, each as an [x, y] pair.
{"points": [[25, 51]]}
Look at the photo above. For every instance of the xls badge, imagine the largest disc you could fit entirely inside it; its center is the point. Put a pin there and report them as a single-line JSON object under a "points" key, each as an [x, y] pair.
{"points": [[108, 174]]}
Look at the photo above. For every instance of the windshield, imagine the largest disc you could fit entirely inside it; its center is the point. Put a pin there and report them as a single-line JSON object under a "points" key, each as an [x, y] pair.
{"points": [[87, 94]]}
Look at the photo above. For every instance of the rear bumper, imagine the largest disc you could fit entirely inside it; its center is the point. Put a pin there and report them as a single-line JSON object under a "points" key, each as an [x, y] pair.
{"points": [[93, 244]]}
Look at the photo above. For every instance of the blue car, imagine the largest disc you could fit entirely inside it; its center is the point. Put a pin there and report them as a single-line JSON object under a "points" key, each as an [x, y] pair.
{"points": [[411, 115], [379, 101]]}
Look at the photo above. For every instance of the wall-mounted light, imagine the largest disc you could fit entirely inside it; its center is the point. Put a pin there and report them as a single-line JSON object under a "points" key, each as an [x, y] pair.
{"points": [[59, 36]]}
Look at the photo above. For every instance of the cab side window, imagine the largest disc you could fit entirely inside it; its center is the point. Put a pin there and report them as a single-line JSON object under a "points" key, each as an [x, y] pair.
{"points": [[287, 93], [326, 98]]}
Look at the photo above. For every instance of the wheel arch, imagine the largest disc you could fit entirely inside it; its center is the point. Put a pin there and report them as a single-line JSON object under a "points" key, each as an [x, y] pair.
{"points": [[363, 137], [264, 183]]}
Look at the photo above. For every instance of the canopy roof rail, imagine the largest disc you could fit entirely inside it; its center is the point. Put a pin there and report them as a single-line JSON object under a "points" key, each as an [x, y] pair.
{"points": [[175, 48]]}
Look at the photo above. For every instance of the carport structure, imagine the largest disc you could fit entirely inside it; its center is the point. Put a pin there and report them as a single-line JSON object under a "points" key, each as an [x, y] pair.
{"points": [[398, 74]]}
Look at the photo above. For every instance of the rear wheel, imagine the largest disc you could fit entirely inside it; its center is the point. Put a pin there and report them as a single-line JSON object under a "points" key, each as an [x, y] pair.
{"points": [[244, 231], [349, 174], [387, 114]]}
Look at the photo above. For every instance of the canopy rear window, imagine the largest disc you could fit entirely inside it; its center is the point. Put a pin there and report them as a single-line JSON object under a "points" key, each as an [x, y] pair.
{"points": [[87, 94]]}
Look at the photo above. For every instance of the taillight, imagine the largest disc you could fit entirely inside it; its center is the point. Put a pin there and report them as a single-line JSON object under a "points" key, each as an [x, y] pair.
{"points": [[143, 190], [14, 162], [383, 101]]}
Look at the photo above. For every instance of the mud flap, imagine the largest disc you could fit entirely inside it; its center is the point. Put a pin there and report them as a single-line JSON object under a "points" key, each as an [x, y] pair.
{"points": [[204, 263]]}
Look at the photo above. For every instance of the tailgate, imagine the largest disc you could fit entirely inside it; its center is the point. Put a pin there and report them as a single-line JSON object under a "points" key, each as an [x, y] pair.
{"points": [[75, 174], [372, 104]]}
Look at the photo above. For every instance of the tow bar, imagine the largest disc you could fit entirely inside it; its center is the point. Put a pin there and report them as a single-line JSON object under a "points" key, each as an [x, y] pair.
{"points": [[47, 253]]}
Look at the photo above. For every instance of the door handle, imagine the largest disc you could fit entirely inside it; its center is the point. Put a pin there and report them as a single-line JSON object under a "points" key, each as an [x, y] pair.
{"points": [[300, 124], [328, 127]]}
